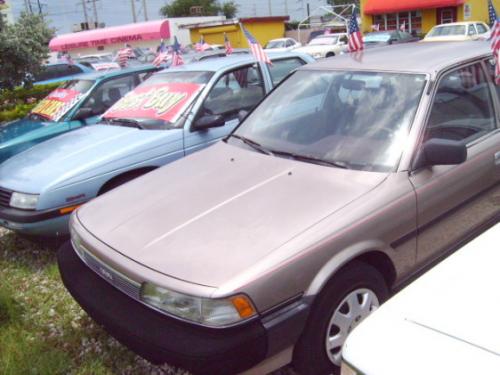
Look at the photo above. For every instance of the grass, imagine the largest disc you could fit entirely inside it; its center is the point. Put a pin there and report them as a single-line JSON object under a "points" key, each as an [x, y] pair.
{"points": [[44, 331]]}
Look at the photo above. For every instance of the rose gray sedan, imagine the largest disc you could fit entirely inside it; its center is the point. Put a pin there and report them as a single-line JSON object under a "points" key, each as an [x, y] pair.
{"points": [[271, 246]]}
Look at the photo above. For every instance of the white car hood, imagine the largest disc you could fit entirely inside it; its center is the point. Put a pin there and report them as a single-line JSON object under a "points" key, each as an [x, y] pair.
{"points": [[445, 322]]}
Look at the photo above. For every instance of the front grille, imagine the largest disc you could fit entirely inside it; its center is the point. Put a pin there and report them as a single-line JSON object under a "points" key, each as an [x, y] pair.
{"points": [[5, 197], [115, 278]]}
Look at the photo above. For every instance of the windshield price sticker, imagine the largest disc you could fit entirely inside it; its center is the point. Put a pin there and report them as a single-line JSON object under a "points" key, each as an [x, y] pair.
{"points": [[57, 103], [165, 101]]}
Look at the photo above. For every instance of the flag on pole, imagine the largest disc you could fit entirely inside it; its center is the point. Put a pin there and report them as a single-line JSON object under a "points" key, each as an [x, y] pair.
{"points": [[492, 13], [403, 26], [227, 44], [124, 55], [201, 45], [355, 42], [495, 42], [376, 27], [161, 58], [255, 47], [176, 53]]}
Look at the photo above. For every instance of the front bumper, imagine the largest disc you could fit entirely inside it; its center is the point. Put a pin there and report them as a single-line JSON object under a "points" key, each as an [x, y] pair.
{"points": [[160, 338], [36, 223]]}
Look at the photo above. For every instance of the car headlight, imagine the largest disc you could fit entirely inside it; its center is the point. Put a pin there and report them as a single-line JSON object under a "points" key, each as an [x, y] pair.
{"points": [[345, 369], [205, 311], [24, 201]]}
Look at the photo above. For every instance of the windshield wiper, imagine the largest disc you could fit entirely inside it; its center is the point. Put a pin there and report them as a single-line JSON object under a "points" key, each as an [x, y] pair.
{"points": [[124, 122], [310, 159], [255, 145]]}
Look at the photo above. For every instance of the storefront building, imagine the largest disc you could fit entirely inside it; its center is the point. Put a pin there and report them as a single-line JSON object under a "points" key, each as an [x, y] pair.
{"points": [[419, 16]]}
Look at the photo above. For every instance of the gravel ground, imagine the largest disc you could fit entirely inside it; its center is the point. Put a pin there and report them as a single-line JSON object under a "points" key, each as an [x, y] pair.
{"points": [[46, 317]]}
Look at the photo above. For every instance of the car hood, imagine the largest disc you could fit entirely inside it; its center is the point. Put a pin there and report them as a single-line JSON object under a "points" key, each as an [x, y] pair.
{"points": [[17, 128], [208, 217], [67, 158], [449, 316], [314, 49]]}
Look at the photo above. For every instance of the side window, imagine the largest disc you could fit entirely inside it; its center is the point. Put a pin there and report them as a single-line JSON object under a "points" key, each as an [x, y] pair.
{"points": [[281, 68], [236, 90], [109, 93], [73, 69], [343, 39], [481, 29], [289, 43], [472, 30], [462, 108]]}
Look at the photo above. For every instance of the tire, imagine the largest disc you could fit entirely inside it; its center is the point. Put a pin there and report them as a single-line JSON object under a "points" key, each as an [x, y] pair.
{"points": [[354, 280], [330, 54]]}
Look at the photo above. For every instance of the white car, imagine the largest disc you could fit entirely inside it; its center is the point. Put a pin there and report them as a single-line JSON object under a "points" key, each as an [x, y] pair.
{"points": [[282, 44], [446, 322], [327, 45], [458, 31]]}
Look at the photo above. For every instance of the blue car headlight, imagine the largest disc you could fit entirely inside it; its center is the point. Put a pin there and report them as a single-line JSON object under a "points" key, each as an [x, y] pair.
{"points": [[24, 201]]}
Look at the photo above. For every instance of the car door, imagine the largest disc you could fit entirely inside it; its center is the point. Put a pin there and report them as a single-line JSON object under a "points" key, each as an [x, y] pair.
{"points": [[235, 90], [454, 200]]}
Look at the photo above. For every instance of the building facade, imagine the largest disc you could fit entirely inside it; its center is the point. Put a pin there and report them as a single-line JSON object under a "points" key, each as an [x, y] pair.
{"points": [[419, 16]]}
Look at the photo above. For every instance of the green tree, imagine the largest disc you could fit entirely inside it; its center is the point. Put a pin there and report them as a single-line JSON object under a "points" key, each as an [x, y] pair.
{"points": [[182, 8], [229, 9], [23, 48]]}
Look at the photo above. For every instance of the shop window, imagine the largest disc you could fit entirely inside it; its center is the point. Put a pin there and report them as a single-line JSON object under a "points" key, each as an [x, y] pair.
{"points": [[393, 21]]}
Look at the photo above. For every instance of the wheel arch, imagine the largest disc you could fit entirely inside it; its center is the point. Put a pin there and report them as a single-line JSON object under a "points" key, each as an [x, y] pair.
{"points": [[130, 174], [369, 253]]}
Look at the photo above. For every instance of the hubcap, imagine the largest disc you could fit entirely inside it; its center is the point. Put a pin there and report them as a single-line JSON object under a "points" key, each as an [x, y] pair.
{"points": [[356, 306]]}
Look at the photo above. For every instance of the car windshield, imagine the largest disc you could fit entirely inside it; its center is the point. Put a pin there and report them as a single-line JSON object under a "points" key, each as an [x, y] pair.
{"points": [[355, 120], [60, 101], [159, 102], [275, 44], [447, 31], [377, 37], [322, 40]]}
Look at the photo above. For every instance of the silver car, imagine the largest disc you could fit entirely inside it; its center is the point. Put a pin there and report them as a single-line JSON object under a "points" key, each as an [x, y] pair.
{"points": [[269, 247]]}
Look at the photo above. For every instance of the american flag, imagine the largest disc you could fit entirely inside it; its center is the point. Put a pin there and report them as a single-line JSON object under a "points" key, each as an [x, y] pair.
{"points": [[176, 53], [227, 44], [201, 45], [355, 38], [124, 55], [492, 13], [495, 41], [160, 58], [376, 27], [255, 47]]}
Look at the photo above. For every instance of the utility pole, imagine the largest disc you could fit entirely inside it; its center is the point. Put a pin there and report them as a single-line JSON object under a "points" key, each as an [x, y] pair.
{"points": [[269, 5], [144, 6], [286, 7], [95, 13], [84, 5], [134, 16]]}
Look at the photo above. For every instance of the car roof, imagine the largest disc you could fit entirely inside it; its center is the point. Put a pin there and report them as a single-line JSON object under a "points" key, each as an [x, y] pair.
{"points": [[427, 58], [215, 64], [113, 73]]}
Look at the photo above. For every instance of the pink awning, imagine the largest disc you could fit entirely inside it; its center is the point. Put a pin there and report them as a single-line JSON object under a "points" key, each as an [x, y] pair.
{"points": [[117, 34], [393, 6]]}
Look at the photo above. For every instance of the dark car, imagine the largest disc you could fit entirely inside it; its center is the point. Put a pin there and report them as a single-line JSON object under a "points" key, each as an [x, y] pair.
{"points": [[384, 38]]}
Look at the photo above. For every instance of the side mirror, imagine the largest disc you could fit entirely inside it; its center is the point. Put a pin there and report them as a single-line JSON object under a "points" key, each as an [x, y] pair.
{"points": [[242, 114], [83, 113], [439, 151], [209, 121]]}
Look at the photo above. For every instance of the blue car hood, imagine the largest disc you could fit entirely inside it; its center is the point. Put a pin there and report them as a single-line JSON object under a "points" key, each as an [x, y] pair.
{"points": [[17, 128], [80, 155]]}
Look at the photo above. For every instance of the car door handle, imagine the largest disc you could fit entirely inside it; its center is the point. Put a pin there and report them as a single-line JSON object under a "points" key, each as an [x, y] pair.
{"points": [[497, 158]]}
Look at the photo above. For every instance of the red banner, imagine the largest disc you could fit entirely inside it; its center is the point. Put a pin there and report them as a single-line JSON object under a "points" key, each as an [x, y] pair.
{"points": [[165, 101], [57, 103]]}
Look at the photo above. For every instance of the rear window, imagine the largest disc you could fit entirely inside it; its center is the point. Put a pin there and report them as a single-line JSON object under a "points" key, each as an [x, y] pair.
{"points": [[178, 77], [447, 31], [80, 85], [57, 71], [282, 67]]}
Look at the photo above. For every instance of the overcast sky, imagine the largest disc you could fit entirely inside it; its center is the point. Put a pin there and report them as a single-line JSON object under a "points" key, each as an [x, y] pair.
{"points": [[64, 13]]}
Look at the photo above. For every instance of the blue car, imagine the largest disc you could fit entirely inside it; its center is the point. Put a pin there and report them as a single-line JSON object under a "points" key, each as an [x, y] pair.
{"points": [[171, 115], [59, 72], [76, 103]]}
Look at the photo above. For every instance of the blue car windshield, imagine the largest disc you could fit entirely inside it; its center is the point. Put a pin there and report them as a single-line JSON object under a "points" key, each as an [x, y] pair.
{"points": [[80, 85], [356, 120]]}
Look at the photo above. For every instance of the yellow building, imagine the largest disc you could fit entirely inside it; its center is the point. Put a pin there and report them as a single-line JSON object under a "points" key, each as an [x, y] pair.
{"points": [[262, 28], [419, 16]]}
